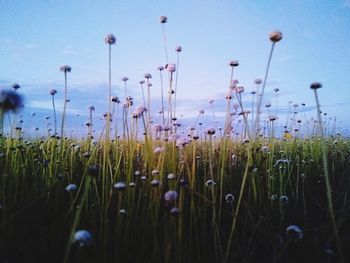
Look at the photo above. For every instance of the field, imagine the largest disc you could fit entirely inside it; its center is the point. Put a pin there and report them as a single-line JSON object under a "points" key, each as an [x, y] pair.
{"points": [[245, 192]]}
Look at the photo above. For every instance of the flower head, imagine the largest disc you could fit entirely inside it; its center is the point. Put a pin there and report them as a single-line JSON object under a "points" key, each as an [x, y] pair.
{"points": [[65, 68], [178, 49], [53, 92], [83, 238], [163, 19], [110, 39], [10, 100], [315, 85], [170, 67], [171, 195], [71, 187], [295, 232], [125, 78], [148, 76], [276, 36], [233, 63], [16, 86]]}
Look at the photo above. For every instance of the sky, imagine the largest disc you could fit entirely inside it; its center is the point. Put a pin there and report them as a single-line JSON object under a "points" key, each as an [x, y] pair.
{"points": [[37, 37]]}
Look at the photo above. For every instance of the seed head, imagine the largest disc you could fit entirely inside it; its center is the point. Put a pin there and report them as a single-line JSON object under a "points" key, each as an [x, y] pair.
{"points": [[233, 63], [178, 49]]}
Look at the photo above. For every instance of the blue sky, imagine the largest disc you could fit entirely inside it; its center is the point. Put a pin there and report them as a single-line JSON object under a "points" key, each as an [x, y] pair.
{"points": [[37, 37]]}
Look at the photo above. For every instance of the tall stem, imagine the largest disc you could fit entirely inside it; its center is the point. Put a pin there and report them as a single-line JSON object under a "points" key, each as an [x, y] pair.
{"points": [[326, 176], [54, 113], [64, 105], [262, 91]]}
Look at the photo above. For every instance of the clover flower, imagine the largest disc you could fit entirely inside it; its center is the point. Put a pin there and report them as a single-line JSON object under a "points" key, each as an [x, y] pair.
{"points": [[120, 186], [170, 67], [71, 187]]}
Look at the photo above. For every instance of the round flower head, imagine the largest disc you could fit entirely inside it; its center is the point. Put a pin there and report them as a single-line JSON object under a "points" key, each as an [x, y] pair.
{"points": [[210, 183], [92, 108], [83, 238], [171, 195], [233, 63], [16, 86], [170, 67], [148, 76], [125, 78], [294, 232], [110, 39], [10, 100], [141, 82], [160, 68], [163, 19], [171, 176], [53, 92], [155, 182], [315, 85], [71, 187], [65, 68], [175, 211], [120, 186], [229, 198], [115, 99], [276, 36], [178, 49]]}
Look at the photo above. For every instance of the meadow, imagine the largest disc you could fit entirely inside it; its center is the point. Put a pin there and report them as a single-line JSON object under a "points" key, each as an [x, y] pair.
{"points": [[243, 192]]}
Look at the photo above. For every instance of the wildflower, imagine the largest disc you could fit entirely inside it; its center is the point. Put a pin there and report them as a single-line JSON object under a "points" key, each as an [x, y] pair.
{"points": [[125, 79], [276, 90], [115, 99], [83, 238], [276, 36], [148, 76], [122, 212], [120, 186], [265, 149], [71, 187], [110, 39], [158, 150], [210, 131], [132, 184], [284, 199], [210, 182], [92, 108], [163, 19], [178, 49], [16, 86], [160, 68], [171, 176], [137, 173], [171, 195], [175, 211], [233, 63], [155, 182], [170, 67], [294, 232], [229, 198], [10, 100], [65, 68], [315, 85], [53, 92], [155, 172], [272, 117]]}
